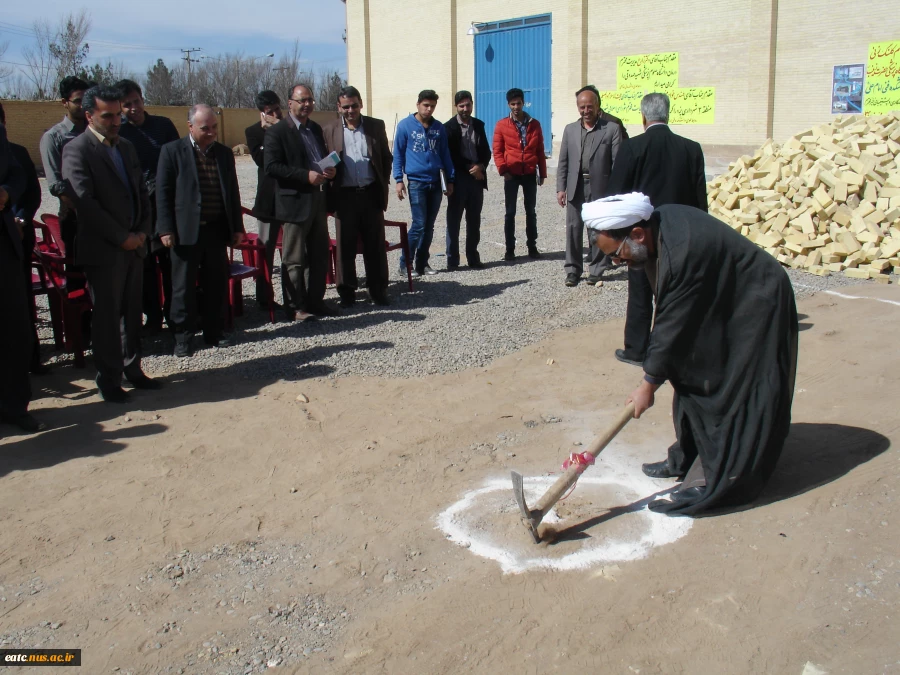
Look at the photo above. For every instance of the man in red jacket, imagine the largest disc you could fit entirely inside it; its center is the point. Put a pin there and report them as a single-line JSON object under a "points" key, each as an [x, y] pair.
{"points": [[519, 156]]}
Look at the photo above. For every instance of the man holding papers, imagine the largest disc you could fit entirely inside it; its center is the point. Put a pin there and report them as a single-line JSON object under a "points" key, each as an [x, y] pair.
{"points": [[294, 149], [359, 196]]}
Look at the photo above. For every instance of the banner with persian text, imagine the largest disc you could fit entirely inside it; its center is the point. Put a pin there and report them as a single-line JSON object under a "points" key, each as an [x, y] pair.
{"points": [[882, 88]]}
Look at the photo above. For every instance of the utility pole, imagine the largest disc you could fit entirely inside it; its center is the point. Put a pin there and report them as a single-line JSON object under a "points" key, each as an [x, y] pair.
{"points": [[188, 60]]}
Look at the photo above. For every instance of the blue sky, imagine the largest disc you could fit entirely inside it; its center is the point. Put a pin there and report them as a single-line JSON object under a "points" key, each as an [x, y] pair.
{"points": [[145, 31]]}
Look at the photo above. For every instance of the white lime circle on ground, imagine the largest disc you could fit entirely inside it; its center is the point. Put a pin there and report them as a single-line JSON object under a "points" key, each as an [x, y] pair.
{"points": [[477, 522]]}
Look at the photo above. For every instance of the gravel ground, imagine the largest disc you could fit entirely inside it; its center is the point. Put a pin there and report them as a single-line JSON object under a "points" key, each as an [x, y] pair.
{"points": [[450, 322]]}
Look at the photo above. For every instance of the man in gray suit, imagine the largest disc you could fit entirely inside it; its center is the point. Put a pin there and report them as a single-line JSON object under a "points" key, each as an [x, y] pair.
{"points": [[589, 147], [114, 222]]}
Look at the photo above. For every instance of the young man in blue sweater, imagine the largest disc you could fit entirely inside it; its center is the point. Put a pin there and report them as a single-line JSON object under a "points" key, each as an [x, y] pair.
{"points": [[421, 152]]}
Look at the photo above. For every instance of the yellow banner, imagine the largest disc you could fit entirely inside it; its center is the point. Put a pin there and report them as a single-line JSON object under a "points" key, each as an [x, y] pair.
{"points": [[647, 72], [624, 104], [882, 89], [694, 105]]}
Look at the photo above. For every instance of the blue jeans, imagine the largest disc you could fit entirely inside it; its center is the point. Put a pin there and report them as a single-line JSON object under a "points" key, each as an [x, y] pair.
{"points": [[424, 202]]}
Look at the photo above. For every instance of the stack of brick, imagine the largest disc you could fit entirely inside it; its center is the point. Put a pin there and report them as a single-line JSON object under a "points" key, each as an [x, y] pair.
{"points": [[826, 201]]}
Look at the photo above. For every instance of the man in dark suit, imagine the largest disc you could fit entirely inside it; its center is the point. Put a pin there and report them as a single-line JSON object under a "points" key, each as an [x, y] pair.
{"points": [[669, 169], [113, 208], [589, 147], [294, 148], [15, 338], [471, 154], [269, 106], [360, 196], [198, 214], [24, 209]]}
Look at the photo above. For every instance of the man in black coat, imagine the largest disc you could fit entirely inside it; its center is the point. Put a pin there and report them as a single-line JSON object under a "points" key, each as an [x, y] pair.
{"points": [[471, 154], [148, 133], [294, 148], [198, 214], [24, 209], [113, 208], [15, 338], [269, 106], [724, 336], [669, 169], [360, 196]]}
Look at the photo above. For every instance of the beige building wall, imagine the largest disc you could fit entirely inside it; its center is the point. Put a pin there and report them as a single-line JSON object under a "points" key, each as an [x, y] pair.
{"points": [[813, 37], [726, 45], [769, 60]]}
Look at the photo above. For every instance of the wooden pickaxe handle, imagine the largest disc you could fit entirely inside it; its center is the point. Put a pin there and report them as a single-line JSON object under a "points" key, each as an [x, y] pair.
{"points": [[567, 480]]}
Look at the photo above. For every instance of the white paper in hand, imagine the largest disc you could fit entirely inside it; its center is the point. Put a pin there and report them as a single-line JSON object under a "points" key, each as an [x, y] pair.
{"points": [[330, 160]]}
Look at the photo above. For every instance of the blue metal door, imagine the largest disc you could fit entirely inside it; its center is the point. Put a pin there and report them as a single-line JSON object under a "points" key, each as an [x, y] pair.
{"points": [[514, 54]]}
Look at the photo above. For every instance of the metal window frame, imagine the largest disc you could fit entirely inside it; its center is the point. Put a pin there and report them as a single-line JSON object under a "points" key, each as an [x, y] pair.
{"points": [[512, 24]]}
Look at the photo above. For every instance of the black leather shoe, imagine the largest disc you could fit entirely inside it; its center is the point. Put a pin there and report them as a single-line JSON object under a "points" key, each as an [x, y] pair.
{"points": [[572, 280], [660, 470], [40, 369], [323, 310], [348, 300], [593, 279], [453, 267], [183, 347], [141, 381], [533, 253], [222, 341], [381, 299], [25, 421], [476, 264], [113, 394], [620, 354], [509, 255], [690, 494]]}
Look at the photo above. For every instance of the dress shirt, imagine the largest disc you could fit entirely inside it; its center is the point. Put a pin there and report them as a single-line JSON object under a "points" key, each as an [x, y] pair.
{"points": [[467, 147], [309, 141], [586, 147], [116, 156], [357, 167], [52, 143]]}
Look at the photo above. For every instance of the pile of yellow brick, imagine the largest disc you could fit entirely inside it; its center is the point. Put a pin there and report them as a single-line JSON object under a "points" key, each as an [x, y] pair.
{"points": [[826, 201]]}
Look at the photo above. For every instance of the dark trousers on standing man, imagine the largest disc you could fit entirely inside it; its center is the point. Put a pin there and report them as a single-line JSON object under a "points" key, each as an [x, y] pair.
{"points": [[16, 336], [268, 237], [639, 315], [511, 193], [468, 196], [598, 263], [157, 264], [207, 262], [304, 259], [360, 220], [116, 325]]}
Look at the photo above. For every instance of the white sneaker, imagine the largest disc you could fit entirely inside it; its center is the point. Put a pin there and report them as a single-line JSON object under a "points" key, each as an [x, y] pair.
{"points": [[430, 272]]}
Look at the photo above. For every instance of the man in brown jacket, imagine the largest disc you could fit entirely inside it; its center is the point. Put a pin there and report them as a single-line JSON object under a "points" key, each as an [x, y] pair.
{"points": [[359, 196]]}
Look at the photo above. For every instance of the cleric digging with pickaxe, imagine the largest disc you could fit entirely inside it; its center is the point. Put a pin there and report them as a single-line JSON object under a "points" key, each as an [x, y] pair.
{"points": [[724, 336]]}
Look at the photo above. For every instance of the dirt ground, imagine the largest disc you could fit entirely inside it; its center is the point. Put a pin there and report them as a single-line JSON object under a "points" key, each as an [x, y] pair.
{"points": [[227, 527]]}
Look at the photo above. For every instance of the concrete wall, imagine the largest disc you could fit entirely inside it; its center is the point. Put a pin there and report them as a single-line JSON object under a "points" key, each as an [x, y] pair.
{"points": [[813, 37], [769, 60], [26, 122]]}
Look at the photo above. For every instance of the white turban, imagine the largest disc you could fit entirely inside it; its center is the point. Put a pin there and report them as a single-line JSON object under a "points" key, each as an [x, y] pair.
{"points": [[616, 212]]}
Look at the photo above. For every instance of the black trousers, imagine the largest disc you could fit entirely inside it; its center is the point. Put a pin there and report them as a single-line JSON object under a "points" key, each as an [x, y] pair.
{"points": [[360, 218], [639, 315], [116, 324], [157, 308], [16, 339], [468, 196], [207, 262], [511, 193]]}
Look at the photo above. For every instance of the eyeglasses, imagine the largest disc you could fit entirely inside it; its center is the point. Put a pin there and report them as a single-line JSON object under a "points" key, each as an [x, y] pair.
{"points": [[303, 100], [76, 101], [619, 250], [352, 106]]}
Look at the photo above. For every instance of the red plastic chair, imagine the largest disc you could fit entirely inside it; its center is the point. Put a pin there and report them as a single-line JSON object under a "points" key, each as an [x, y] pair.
{"points": [[41, 286], [402, 245], [253, 265], [72, 303], [51, 234]]}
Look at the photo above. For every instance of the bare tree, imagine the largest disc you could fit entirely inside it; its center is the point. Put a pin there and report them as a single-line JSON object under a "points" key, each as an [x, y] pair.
{"points": [[56, 52], [5, 71]]}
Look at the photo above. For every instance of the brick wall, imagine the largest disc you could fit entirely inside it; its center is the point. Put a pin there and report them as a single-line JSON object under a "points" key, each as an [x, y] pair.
{"points": [[769, 60], [813, 37]]}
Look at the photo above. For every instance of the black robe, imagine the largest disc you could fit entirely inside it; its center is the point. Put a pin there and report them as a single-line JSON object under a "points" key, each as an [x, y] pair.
{"points": [[725, 336]]}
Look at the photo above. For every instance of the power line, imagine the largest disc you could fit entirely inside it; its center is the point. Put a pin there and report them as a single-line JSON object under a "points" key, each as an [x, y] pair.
{"points": [[22, 31]]}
